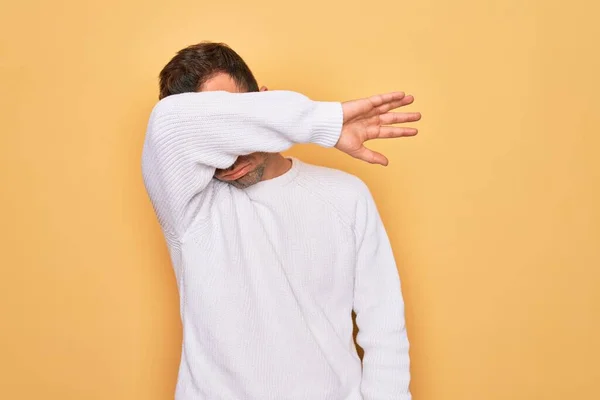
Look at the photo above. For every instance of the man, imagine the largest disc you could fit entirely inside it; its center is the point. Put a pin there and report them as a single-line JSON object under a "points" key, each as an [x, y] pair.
{"points": [[272, 255]]}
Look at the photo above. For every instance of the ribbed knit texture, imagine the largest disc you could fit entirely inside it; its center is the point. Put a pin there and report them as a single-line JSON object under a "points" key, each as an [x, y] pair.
{"points": [[268, 276]]}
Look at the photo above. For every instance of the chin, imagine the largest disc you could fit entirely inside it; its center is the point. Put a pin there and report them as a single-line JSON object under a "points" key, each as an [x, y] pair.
{"points": [[251, 178]]}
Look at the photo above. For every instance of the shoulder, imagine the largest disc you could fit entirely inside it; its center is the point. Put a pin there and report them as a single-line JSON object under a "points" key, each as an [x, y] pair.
{"points": [[332, 178], [343, 191]]}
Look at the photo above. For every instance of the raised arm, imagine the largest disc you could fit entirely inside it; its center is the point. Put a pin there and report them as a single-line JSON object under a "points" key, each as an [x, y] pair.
{"points": [[190, 135]]}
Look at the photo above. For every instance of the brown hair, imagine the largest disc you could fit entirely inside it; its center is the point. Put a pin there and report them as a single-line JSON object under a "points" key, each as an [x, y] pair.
{"points": [[194, 65]]}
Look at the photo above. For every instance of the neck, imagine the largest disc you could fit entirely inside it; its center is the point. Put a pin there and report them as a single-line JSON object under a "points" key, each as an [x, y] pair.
{"points": [[276, 165]]}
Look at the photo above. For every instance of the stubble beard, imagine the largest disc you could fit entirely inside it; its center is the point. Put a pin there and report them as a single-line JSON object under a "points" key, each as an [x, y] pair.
{"points": [[251, 178]]}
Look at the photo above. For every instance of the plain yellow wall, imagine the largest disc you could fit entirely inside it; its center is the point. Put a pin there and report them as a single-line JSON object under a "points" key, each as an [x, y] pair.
{"points": [[493, 211]]}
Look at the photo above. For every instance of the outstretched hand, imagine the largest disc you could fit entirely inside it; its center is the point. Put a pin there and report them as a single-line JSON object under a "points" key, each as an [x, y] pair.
{"points": [[371, 118]]}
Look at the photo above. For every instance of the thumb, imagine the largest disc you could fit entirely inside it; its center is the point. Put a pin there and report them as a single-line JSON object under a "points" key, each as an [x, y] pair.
{"points": [[370, 156]]}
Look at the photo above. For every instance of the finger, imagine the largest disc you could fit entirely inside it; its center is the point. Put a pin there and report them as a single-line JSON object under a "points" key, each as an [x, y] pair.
{"points": [[370, 156], [374, 105], [381, 99], [386, 132], [406, 100], [398, 118]]}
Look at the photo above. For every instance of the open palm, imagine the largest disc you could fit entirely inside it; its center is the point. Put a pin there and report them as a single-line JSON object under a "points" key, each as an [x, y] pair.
{"points": [[371, 118]]}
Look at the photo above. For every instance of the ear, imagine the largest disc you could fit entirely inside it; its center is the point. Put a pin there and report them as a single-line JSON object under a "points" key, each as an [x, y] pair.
{"points": [[263, 89]]}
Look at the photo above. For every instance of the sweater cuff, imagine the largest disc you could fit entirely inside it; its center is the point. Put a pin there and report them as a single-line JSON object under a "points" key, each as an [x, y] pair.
{"points": [[328, 120]]}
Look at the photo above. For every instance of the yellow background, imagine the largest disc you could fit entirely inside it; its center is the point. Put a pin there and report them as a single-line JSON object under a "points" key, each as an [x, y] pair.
{"points": [[493, 211]]}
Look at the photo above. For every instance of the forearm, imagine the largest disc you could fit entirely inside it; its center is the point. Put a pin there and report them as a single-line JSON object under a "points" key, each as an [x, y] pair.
{"points": [[386, 364], [217, 127]]}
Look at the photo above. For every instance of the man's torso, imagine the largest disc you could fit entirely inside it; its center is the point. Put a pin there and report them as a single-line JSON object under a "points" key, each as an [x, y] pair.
{"points": [[266, 278]]}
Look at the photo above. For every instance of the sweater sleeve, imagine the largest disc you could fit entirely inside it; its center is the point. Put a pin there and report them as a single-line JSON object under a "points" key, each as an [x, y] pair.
{"points": [[190, 135], [379, 309]]}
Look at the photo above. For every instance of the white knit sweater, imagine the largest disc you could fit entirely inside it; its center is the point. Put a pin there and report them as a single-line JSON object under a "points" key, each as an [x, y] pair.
{"points": [[268, 276]]}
